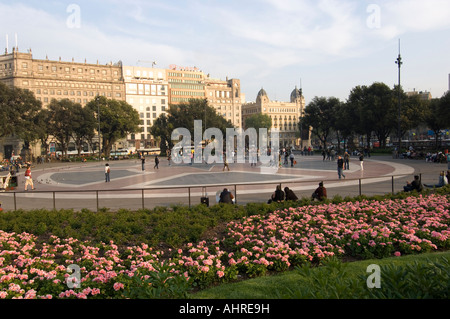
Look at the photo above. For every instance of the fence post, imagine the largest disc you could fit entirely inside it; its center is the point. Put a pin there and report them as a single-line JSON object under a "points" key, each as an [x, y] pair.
{"points": [[54, 201], [15, 203], [235, 194], [142, 198], [392, 184], [96, 195], [360, 187], [189, 192]]}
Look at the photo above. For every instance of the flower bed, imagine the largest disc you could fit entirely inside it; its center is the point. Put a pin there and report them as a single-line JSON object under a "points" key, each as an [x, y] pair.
{"points": [[252, 246]]}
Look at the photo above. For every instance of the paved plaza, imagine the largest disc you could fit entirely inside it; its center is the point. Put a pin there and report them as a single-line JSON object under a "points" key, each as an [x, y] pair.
{"points": [[82, 185]]}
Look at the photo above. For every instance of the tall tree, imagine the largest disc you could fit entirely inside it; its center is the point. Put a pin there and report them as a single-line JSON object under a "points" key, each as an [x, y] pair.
{"points": [[18, 111], [84, 125], [320, 116], [184, 114], [117, 120], [376, 108], [42, 129], [162, 128], [258, 121], [61, 122], [435, 117]]}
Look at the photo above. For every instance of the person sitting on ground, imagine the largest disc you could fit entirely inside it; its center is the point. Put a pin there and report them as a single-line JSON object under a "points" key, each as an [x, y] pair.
{"points": [[226, 197], [290, 195], [320, 193], [416, 184], [277, 196], [442, 181]]}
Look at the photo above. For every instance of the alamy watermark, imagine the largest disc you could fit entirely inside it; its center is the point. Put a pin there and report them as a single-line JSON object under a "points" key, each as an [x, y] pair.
{"points": [[373, 21], [74, 19], [374, 279], [236, 145], [74, 279]]}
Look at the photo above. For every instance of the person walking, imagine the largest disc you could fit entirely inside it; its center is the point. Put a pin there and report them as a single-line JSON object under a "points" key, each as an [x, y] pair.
{"points": [[225, 163], [28, 178], [156, 162], [361, 161], [291, 157], [107, 173], [143, 162], [340, 167]]}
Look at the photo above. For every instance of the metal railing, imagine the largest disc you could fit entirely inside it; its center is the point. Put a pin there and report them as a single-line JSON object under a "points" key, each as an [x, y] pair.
{"points": [[350, 187]]}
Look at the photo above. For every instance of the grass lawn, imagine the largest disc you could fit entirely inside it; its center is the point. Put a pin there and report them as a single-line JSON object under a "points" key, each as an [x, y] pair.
{"points": [[336, 280]]}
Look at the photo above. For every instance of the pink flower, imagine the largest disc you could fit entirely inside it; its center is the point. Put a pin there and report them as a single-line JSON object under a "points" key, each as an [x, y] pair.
{"points": [[397, 254], [118, 286]]}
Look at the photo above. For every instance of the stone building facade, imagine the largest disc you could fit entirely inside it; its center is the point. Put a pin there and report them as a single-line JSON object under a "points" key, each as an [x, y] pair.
{"points": [[50, 79], [285, 116]]}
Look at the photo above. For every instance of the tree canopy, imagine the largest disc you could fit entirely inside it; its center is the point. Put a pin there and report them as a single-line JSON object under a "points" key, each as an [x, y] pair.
{"points": [[18, 111], [117, 120], [183, 116]]}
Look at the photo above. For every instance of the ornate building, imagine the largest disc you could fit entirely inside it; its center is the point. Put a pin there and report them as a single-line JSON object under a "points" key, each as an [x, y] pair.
{"points": [[285, 116], [47, 79], [226, 98]]}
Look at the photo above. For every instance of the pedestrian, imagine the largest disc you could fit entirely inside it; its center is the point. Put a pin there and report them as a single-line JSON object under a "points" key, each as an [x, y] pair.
{"points": [[320, 193], [340, 167], [291, 157], [168, 156], [289, 194], [156, 162], [225, 163], [361, 161], [226, 197], [143, 162], [28, 178], [107, 173], [346, 161]]}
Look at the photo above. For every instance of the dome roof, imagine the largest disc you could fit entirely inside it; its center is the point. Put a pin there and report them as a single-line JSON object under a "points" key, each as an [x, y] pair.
{"points": [[261, 92], [296, 94]]}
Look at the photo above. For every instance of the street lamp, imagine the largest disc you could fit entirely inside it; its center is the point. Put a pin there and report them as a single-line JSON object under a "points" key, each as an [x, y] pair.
{"points": [[399, 63]]}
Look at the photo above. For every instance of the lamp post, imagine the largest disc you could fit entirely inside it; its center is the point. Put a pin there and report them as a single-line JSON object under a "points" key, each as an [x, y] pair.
{"points": [[399, 63]]}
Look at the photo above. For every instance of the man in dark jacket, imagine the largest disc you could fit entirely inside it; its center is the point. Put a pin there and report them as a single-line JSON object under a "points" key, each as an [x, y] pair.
{"points": [[226, 197], [290, 195], [320, 193], [277, 196], [416, 184]]}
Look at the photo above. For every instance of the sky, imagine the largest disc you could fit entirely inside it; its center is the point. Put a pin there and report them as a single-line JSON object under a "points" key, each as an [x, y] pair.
{"points": [[326, 47]]}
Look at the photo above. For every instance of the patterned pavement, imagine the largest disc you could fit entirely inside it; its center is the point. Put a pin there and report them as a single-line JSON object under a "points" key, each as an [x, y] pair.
{"points": [[79, 185]]}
